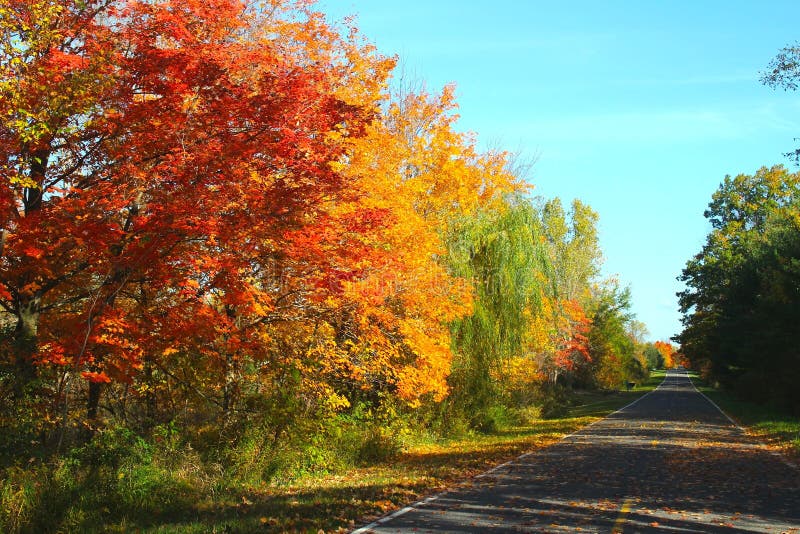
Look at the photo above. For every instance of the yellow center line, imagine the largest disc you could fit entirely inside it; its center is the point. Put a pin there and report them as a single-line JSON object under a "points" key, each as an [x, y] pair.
{"points": [[623, 513]]}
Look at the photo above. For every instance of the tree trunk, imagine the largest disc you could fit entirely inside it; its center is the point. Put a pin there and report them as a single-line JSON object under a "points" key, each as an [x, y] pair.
{"points": [[151, 402], [230, 389], [28, 305], [93, 402], [26, 343]]}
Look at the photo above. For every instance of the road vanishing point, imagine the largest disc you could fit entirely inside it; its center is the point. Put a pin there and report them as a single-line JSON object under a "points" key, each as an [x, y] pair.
{"points": [[669, 462]]}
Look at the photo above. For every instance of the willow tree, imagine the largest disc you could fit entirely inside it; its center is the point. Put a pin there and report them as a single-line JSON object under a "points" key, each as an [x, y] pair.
{"points": [[502, 252]]}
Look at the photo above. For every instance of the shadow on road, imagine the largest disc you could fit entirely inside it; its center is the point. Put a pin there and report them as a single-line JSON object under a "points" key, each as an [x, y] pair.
{"points": [[669, 462]]}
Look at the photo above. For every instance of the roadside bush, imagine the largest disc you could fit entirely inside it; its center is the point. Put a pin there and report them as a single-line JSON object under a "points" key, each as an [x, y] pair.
{"points": [[527, 415], [20, 492], [379, 444], [492, 419], [116, 476]]}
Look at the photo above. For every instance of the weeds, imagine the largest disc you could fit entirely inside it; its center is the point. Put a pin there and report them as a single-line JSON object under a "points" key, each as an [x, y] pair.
{"points": [[355, 465]]}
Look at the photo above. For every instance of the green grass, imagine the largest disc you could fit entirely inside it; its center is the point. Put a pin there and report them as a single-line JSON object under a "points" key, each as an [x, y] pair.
{"points": [[335, 501], [601, 403], [338, 502], [777, 429]]}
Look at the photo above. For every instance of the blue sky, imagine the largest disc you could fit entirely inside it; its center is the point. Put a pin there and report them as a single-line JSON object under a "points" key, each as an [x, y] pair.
{"points": [[638, 108]]}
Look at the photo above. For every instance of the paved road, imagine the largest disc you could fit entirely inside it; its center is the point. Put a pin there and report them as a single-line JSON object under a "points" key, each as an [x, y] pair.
{"points": [[670, 462]]}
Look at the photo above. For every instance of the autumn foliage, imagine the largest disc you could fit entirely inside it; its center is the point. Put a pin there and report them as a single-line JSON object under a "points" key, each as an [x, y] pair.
{"points": [[221, 214], [667, 352]]}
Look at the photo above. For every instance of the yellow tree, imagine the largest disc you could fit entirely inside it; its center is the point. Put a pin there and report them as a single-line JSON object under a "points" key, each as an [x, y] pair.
{"points": [[415, 174], [667, 352]]}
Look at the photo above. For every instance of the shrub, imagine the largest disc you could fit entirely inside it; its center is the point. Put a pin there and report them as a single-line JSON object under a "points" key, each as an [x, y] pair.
{"points": [[20, 491]]}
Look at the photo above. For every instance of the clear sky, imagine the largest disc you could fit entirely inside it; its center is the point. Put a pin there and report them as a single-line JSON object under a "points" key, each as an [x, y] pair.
{"points": [[638, 108]]}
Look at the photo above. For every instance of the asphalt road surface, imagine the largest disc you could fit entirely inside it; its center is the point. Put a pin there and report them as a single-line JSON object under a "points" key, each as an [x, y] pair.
{"points": [[669, 462]]}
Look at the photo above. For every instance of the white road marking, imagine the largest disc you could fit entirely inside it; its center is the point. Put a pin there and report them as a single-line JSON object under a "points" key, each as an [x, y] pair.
{"points": [[414, 506], [743, 429]]}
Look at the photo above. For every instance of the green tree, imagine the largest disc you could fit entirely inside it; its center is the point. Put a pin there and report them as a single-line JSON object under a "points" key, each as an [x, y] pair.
{"points": [[574, 248], [653, 357], [612, 338], [784, 72], [742, 301], [501, 252]]}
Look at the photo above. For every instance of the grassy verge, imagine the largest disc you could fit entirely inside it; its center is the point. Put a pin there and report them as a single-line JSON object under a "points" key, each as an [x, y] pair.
{"points": [[338, 502], [776, 429], [121, 482]]}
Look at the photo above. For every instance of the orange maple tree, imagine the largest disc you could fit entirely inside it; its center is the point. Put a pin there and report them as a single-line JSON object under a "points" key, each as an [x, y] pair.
{"points": [[667, 352], [413, 173], [562, 341], [226, 196], [208, 190], [159, 158]]}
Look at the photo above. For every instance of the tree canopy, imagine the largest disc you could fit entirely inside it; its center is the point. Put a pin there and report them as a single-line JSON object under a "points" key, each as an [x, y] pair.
{"points": [[742, 303], [219, 216]]}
